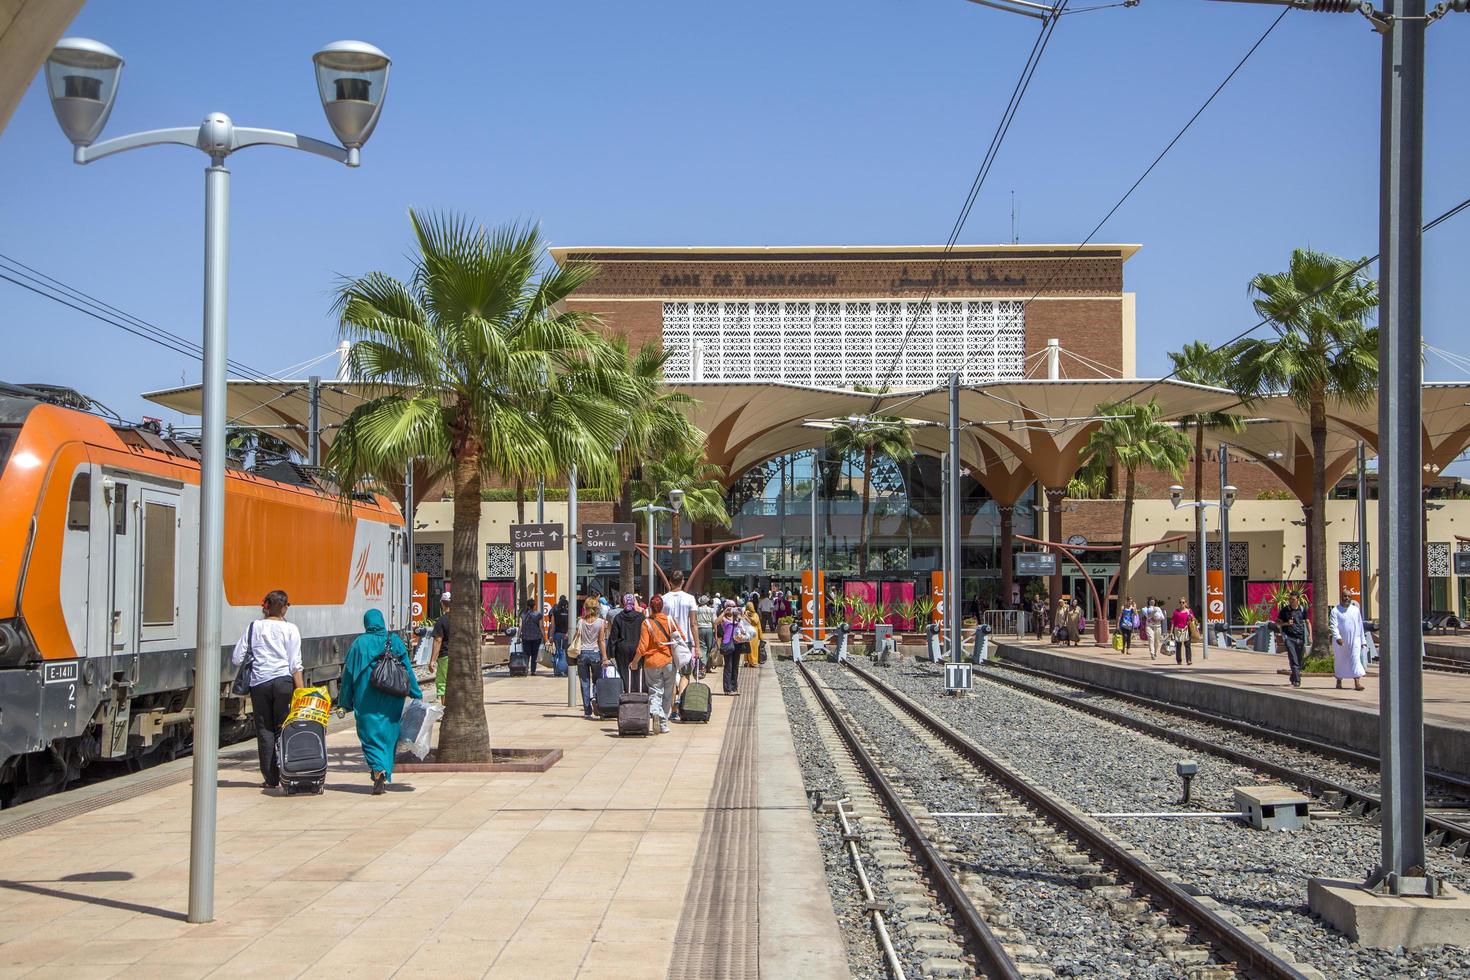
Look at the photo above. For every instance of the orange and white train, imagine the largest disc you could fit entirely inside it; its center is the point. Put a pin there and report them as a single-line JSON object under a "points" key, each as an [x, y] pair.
{"points": [[99, 530]]}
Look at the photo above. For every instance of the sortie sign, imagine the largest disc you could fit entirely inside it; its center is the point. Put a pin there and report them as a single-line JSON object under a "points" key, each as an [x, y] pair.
{"points": [[608, 537], [537, 537]]}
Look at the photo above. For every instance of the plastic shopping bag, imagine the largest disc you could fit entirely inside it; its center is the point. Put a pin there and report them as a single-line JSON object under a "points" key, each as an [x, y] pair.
{"points": [[310, 704], [424, 650], [416, 727]]}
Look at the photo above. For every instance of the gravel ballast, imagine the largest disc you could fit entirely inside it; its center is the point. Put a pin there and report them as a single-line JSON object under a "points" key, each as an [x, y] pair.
{"points": [[1072, 926], [1262, 877]]}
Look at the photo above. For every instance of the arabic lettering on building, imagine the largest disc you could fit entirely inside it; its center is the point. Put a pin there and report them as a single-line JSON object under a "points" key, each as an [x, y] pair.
{"points": [[939, 280]]}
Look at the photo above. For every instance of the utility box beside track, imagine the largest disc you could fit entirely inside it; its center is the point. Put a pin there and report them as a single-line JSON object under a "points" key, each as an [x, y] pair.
{"points": [[1273, 807]]}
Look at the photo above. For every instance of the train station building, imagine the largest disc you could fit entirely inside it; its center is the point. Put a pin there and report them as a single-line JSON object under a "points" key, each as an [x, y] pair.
{"points": [[774, 344]]}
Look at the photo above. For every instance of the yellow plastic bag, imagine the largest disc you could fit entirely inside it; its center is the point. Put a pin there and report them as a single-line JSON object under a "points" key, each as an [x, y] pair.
{"points": [[1117, 641], [310, 704]]}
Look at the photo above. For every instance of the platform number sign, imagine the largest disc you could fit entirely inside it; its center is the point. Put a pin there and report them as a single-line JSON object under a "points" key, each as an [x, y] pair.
{"points": [[958, 677]]}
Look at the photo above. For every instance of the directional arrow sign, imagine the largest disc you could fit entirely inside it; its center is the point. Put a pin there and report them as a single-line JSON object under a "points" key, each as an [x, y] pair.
{"points": [[608, 537], [536, 537]]}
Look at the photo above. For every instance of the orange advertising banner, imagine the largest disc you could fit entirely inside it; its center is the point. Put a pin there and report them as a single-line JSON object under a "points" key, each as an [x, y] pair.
{"points": [[813, 602], [548, 599], [1350, 580], [419, 600], [936, 589], [1215, 594]]}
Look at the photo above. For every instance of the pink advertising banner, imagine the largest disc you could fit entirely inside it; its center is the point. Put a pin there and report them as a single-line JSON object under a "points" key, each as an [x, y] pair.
{"points": [[1257, 593]]}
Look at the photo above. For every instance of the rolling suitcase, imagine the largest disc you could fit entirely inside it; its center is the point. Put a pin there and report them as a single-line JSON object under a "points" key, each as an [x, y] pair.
{"points": [[633, 713], [520, 664], [607, 695], [696, 702], [301, 756]]}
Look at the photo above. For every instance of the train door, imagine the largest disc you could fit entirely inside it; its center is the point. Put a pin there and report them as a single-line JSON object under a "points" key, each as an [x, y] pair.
{"points": [[398, 580], [157, 598], [121, 589]]}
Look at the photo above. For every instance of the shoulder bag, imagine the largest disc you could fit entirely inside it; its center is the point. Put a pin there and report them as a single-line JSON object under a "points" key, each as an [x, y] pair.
{"points": [[241, 684], [677, 645], [388, 674]]}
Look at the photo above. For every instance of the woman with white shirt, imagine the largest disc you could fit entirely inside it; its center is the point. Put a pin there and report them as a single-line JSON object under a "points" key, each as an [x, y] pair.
{"points": [[274, 648]]}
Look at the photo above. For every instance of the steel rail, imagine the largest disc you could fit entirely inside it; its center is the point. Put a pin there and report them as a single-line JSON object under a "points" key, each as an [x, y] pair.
{"points": [[1227, 937], [1302, 742], [1445, 833], [993, 959]]}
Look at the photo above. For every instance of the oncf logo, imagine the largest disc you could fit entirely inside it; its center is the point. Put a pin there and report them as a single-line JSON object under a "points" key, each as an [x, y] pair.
{"points": [[372, 582]]}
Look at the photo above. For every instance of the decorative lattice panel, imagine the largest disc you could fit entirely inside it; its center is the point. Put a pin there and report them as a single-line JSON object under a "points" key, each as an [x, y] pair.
{"points": [[500, 561], [429, 558], [1439, 559], [841, 343], [1240, 558], [1348, 558]]}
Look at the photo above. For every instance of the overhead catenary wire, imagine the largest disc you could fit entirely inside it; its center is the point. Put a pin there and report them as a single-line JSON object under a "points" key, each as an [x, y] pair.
{"points": [[1018, 92], [1194, 117], [49, 287]]}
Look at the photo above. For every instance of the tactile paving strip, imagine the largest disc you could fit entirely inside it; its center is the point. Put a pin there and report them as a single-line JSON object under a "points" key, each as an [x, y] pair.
{"points": [[719, 931]]}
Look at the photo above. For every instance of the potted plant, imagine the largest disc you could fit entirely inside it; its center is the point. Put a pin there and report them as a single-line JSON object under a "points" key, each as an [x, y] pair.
{"points": [[1254, 619], [783, 628]]}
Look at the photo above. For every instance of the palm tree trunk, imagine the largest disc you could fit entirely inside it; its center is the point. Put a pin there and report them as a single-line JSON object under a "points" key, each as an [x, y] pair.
{"points": [[1123, 558], [1199, 490], [863, 527], [464, 735], [625, 513], [523, 589], [1317, 530], [1007, 562]]}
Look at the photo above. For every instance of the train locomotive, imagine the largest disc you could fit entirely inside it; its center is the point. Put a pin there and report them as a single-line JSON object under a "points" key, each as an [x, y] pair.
{"points": [[99, 526]]}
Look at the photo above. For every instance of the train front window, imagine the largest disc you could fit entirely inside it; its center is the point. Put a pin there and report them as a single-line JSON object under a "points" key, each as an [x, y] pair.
{"points": [[8, 435], [79, 507]]}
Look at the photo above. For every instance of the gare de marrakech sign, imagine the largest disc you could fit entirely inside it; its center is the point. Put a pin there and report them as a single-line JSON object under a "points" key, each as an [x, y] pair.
{"points": [[813, 276], [938, 278]]}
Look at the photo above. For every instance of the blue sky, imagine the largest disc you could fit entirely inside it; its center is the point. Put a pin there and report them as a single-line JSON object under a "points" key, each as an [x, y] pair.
{"points": [[661, 123]]}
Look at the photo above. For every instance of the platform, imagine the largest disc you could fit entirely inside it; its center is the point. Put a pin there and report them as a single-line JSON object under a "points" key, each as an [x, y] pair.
{"points": [[1246, 686], [631, 857]]}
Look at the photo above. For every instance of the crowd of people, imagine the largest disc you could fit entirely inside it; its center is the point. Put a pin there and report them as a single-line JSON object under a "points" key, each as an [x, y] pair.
{"points": [[659, 645]]}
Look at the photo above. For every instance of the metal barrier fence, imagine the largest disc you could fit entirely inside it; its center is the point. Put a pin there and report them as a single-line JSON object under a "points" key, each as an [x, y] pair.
{"points": [[1010, 622]]}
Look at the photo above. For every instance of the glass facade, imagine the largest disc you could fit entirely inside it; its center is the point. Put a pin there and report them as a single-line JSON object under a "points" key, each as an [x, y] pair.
{"points": [[774, 500]]}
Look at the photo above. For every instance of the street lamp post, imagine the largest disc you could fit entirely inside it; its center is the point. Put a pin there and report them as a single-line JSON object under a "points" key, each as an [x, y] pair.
{"points": [[82, 80], [676, 500], [1227, 498]]}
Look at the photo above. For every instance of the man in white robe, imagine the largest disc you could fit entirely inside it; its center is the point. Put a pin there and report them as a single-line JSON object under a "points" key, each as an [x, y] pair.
{"points": [[1348, 655]]}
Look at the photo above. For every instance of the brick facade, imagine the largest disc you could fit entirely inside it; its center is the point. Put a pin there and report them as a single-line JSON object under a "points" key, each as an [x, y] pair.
{"points": [[1078, 296]]}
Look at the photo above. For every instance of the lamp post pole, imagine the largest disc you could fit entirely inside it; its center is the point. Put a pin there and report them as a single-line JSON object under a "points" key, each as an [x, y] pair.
{"points": [[1227, 498], [817, 597], [1225, 534], [1400, 418], [82, 81], [953, 524]]}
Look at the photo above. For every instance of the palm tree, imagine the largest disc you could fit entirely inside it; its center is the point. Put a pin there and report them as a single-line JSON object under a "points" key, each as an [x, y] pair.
{"points": [[880, 435], [689, 471], [456, 353], [1322, 351], [653, 423], [1132, 437], [1199, 363]]}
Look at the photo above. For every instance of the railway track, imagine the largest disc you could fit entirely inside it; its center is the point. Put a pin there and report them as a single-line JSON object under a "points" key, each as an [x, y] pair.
{"points": [[899, 837], [1449, 829], [1146, 914]]}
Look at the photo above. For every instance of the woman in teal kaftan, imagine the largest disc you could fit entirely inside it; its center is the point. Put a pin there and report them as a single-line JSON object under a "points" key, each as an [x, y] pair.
{"points": [[378, 714]]}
